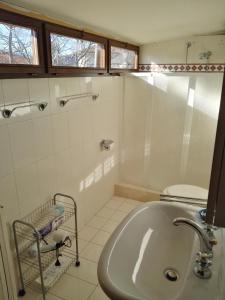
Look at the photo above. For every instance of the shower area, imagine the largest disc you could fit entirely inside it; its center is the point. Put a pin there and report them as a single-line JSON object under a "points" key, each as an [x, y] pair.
{"points": [[169, 128]]}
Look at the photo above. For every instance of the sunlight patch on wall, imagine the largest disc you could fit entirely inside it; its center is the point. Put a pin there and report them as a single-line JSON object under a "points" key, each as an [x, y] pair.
{"points": [[95, 176]]}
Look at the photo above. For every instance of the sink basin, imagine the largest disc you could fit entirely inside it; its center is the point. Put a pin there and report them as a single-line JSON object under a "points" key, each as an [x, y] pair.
{"points": [[137, 260]]}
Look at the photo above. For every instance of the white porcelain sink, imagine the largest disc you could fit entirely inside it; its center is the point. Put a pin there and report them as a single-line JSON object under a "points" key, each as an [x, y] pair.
{"points": [[145, 244]]}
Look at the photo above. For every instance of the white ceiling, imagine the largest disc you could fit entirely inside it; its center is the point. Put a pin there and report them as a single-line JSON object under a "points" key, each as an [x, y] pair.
{"points": [[141, 21]]}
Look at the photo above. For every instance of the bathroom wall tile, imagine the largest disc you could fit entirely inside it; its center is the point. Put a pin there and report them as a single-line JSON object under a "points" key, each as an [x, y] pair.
{"points": [[43, 131], [27, 182], [60, 132], [9, 197], [75, 118], [47, 178], [68, 286], [87, 271], [58, 150], [73, 86], [57, 87], [39, 92], [64, 178], [1, 93], [16, 94], [2, 120], [15, 90], [5, 152], [85, 84], [23, 143]]}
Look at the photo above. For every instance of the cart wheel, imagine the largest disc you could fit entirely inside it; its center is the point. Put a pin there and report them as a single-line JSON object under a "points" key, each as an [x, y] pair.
{"points": [[21, 293], [77, 263]]}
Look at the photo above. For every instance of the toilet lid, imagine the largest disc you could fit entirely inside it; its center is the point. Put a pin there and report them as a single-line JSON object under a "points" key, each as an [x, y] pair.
{"points": [[185, 190]]}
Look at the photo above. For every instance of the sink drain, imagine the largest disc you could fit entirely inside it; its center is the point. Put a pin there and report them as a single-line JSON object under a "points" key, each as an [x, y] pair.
{"points": [[171, 274]]}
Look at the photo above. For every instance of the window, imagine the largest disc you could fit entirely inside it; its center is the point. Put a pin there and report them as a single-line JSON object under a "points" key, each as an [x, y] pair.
{"points": [[20, 44], [123, 56], [75, 51]]}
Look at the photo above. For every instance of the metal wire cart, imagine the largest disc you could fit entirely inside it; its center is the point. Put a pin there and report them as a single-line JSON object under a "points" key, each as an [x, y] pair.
{"points": [[44, 242]]}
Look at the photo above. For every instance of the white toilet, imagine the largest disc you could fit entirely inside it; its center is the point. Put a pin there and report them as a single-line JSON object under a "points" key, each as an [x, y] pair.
{"points": [[186, 190]]}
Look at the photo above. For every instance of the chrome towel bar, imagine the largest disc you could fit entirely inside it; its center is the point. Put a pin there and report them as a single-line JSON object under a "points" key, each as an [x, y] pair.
{"points": [[7, 113], [64, 100], [187, 200]]}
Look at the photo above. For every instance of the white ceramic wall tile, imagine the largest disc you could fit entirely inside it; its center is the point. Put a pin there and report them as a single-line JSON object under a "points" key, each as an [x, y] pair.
{"points": [[43, 132], [60, 131], [23, 143], [5, 152], [73, 86], [64, 178], [2, 120], [159, 153], [39, 92], [69, 287], [28, 188], [9, 198], [47, 178], [58, 150], [57, 89], [15, 90], [85, 84]]}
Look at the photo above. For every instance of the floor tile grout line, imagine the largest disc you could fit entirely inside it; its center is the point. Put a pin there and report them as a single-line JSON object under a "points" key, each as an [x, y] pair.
{"points": [[92, 293], [54, 296], [75, 276]]}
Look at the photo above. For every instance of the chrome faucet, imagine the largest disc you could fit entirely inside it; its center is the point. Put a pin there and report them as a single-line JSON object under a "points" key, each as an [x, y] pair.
{"points": [[202, 269]]}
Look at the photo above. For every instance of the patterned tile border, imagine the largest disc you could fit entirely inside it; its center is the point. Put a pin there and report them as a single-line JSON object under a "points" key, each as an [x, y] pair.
{"points": [[202, 68]]}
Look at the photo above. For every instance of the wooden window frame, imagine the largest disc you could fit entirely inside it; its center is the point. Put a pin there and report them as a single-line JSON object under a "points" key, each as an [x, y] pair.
{"points": [[16, 70], [126, 46], [73, 33]]}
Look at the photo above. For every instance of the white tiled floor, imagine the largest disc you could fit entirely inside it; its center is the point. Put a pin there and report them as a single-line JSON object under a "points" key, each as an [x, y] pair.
{"points": [[82, 283]]}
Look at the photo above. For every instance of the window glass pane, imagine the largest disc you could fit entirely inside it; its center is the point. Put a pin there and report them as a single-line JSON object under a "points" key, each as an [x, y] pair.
{"points": [[123, 58], [72, 52], [18, 45]]}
